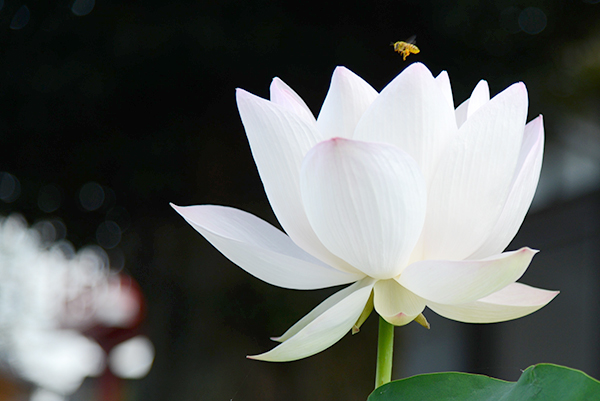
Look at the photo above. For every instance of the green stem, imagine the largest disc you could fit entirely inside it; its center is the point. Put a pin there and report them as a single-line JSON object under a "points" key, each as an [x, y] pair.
{"points": [[385, 352]]}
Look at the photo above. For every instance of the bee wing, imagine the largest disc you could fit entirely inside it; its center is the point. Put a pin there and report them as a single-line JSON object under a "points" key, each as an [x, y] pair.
{"points": [[412, 40]]}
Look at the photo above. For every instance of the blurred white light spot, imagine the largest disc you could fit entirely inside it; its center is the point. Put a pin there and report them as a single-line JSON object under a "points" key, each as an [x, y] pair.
{"points": [[41, 394], [49, 198], [10, 188], [132, 359], [108, 234], [58, 360], [20, 19], [83, 7], [120, 305], [532, 20], [91, 196]]}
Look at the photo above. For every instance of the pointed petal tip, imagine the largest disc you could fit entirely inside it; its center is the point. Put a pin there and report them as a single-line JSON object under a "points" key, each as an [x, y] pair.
{"points": [[528, 250], [242, 94], [276, 339], [355, 330], [340, 69]]}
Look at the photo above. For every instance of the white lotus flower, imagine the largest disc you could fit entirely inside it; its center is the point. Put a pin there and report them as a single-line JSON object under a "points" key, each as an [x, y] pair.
{"points": [[398, 192]]}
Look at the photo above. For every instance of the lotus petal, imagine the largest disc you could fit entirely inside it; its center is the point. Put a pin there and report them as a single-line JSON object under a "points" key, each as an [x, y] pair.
{"points": [[521, 194], [396, 304], [458, 282], [412, 113], [348, 98], [283, 95], [473, 179], [513, 301], [323, 330], [261, 249], [365, 201], [279, 139]]}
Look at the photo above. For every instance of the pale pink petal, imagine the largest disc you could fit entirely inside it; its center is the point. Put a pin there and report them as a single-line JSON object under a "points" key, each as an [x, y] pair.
{"points": [[396, 304], [261, 249], [366, 202], [283, 95], [348, 98], [521, 194], [458, 282], [279, 139], [512, 302], [323, 330], [412, 113], [473, 179]]}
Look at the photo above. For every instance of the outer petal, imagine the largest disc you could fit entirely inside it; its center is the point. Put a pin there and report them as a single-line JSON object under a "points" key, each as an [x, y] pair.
{"points": [[461, 113], [320, 309], [479, 97], [324, 330], [443, 81], [458, 282], [413, 114], [279, 139], [514, 301], [348, 98], [395, 303], [283, 95], [521, 194], [365, 201], [261, 249], [474, 176]]}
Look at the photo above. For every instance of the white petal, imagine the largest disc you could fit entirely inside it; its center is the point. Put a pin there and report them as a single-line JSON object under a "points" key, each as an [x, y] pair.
{"points": [[412, 113], [324, 330], [283, 95], [521, 194], [473, 179], [443, 81], [261, 249], [457, 282], [479, 97], [396, 304], [348, 98], [461, 113], [514, 301], [366, 202], [318, 311], [279, 139]]}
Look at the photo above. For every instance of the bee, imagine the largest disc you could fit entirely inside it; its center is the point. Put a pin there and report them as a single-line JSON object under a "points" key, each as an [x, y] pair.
{"points": [[406, 48]]}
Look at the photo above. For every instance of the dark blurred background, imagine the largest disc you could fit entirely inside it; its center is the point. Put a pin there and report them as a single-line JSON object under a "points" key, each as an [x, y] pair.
{"points": [[110, 110]]}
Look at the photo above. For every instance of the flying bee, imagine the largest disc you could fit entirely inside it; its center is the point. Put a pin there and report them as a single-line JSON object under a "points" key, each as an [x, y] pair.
{"points": [[406, 48]]}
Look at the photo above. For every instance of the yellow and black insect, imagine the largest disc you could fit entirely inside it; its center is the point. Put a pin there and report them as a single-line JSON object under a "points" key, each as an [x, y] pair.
{"points": [[406, 47]]}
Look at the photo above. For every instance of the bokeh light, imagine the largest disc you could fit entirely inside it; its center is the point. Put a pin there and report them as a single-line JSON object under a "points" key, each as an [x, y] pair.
{"points": [[132, 359], [10, 187], [532, 20], [21, 18], [108, 234], [49, 198], [91, 196], [82, 7]]}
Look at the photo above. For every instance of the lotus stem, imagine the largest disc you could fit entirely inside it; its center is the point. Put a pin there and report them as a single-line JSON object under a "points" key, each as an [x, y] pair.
{"points": [[385, 353]]}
